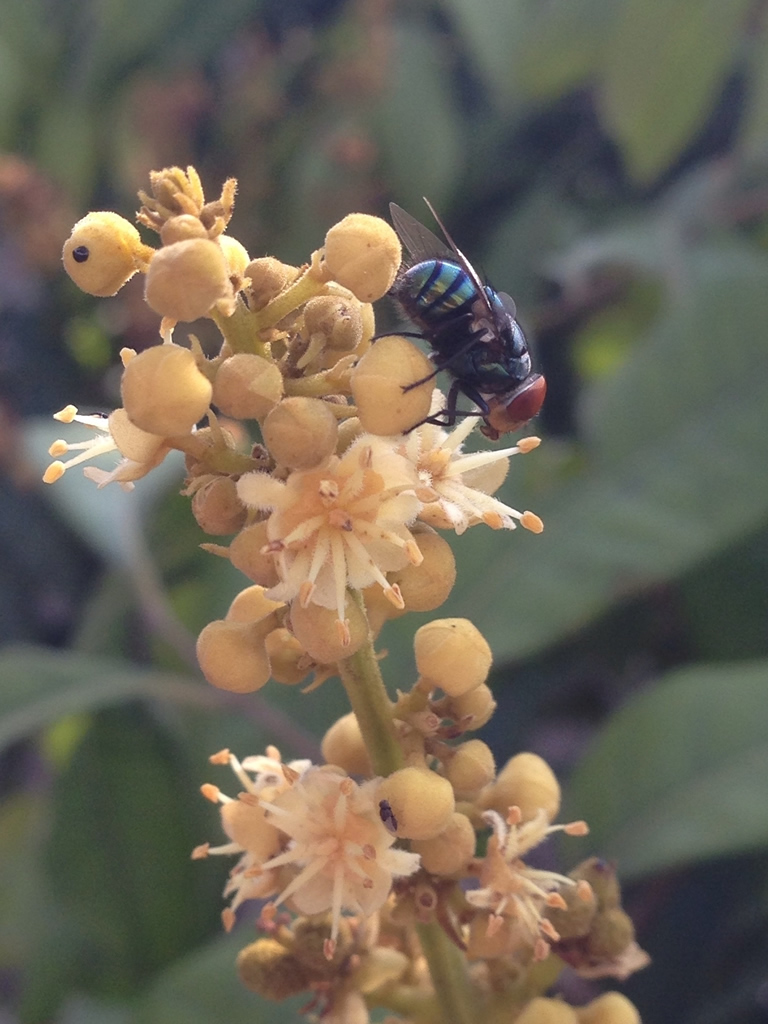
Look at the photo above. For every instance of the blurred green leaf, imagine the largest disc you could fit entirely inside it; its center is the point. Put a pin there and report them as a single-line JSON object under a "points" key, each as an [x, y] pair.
{"points": [[41, 686], [23, 827], [678, 774], [119, 852], [754, 124], [664, 64], [560, 46], [424, 151], [675, 470], [204, 987]]}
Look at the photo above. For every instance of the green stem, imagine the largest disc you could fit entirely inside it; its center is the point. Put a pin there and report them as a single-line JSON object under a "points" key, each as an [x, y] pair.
{"points": [[448, 969], [367, 694], [240, 330], [302, 290]]}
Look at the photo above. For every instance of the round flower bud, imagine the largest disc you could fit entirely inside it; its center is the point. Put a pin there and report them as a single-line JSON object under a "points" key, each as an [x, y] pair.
{"points": [[609, 1008], [164, 392], [217, 508], [421, 800], [452, 654], [338, 321], [471, 767], [247, 387], [379, 608], [318, 631], [343, 745], [103, 252], [232, 656], [473, 709], [181, 228], [349, 431], [289, 661], [245, 553], [601, 875], [363, 254], [186, 279], [547, 1011], [377, 381], [300, 432], [310, 944], [266, 967], [267, 277], [526, 781], [247, 825], [575, 920], [132, 442], [380, 965], [426, 586], [450, 851], [252, 605], [611, 932], [235, 254]]}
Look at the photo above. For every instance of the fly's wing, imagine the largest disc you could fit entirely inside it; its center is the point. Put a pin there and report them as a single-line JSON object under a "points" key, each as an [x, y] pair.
{"points": [[508, 303], [472, 273], [420, 242]]}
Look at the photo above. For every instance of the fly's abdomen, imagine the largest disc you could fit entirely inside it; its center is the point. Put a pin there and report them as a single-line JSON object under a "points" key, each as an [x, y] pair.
{"points": [[436, 290]]}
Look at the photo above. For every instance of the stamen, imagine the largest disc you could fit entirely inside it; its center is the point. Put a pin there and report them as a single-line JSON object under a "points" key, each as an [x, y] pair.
{"points": [[530, 521]]}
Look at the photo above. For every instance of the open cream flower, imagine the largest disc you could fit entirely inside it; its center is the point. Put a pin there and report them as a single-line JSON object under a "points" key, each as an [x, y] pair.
{"points": [[457, 488], [339, 846], [515, 894], [245, 824], [141, 451], [342, 524]]}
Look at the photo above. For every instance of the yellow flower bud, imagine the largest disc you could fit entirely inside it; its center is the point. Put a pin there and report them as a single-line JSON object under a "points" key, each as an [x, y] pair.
{"points": [[363, 254], [164, 392], [322, 636], [217, 508], [247, 387], [266, 967], [601, 875], [610, 934], [289, 661], [235, 254], [547, 1011], [103, 252], [575, 920], [252, 605], [378, 381], [343, 745], [245, 553], [379, 966], [421, 800], [609, 1008], [300, 432], [185, 280], [267, 277], [426, 586], [451, 850], [452, 654], [181, 228], [471, 767], [474, 709], [232, 656], [337, 321], [526, 781]]}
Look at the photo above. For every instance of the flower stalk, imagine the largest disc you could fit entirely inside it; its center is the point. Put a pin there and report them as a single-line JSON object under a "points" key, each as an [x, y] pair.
{"points": [[324, 458]]}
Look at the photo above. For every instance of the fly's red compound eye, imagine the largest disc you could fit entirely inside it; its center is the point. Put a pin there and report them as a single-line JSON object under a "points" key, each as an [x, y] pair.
{"points": [[513, 410]]}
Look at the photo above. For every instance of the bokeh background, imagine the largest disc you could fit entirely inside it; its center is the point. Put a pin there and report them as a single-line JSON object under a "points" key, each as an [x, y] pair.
{"points": [[606, 162]]}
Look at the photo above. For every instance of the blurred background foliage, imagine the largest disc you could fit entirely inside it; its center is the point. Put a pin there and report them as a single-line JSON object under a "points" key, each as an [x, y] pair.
{"points": [[605, 161]]}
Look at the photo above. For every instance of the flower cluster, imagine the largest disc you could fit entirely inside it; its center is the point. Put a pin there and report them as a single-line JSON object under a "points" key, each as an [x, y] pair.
{"points": [[396, 873]]}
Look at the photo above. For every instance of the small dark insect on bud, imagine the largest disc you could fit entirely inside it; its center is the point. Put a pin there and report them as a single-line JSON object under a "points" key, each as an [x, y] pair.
{"points": [[80, 254], [387, 815]]}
